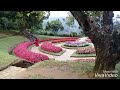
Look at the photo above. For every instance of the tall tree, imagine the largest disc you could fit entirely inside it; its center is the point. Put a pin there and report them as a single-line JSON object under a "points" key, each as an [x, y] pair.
{"points": [[105, 39], [54, 25], [70, 21], [29, 19]]}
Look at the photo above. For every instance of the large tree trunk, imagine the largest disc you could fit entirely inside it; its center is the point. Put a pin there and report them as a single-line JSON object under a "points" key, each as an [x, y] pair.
{"points": [[106, 56], [28, 35]]}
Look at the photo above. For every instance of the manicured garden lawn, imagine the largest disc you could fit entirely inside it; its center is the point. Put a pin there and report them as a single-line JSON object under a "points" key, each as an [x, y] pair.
{"points": [[6, 60], [7, 42], [82, 55], [69, 47]]}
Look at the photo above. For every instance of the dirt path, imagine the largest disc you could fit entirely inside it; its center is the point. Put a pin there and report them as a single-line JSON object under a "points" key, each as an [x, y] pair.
{"points": [[48, 73], [10, 72]]}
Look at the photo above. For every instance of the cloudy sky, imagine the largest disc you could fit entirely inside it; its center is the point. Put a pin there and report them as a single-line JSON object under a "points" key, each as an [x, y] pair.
{"points": [[64, 13]]}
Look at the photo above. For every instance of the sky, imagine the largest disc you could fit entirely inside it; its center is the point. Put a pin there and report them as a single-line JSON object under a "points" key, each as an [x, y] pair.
{"points": [[64, 13], [58, 13], [116, 12]]}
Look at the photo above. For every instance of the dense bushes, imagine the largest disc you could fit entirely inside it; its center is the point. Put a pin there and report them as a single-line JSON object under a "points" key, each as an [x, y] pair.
{"points": [[73, 34]]}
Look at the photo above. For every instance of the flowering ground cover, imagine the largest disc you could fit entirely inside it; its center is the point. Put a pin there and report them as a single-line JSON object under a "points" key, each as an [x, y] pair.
{"points": [[84, 52], [50, 47], [76, 44], [22, 51], [64, 40], [52, 53], [55, 40], [6, 60]]}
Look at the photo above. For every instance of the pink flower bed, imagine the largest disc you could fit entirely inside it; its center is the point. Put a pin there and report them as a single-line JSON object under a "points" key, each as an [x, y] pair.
{"points": [[22, 51], [50, 47], [84, 60], [86, 50]]}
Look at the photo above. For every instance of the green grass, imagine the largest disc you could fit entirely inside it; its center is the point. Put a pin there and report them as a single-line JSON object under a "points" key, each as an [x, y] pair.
{"points": [[7, 42], [6, 60], [75, 67], [52, 53], [67, 47], [82, 55], [118, 69]]}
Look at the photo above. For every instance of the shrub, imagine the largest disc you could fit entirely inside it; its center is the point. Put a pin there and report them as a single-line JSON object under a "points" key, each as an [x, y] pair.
{"points": [[73, 34], [22, 51], [86, 50], [50, 47]]}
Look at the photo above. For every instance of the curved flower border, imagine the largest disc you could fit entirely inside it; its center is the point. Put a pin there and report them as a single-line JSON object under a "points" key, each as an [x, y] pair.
{"points": [[22, 51]]}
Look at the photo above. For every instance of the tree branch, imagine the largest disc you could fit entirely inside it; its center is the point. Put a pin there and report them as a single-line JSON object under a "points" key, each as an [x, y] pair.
{"points": [[88, 25], [82, 19]]}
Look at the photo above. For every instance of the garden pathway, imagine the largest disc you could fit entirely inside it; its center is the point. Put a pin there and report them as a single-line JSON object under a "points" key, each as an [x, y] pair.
{"points": [[10, 72]]}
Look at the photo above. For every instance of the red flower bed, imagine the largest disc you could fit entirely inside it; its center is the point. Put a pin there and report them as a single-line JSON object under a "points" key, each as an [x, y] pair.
{"points": [[63, 40], [60, 39], [22, 51], [84, 60], [86, 50], [50, 47]]}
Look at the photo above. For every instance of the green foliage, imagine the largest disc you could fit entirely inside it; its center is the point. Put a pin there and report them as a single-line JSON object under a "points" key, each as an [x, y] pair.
{"points": [[73, 34], [10, 41], [70, 20], [22, 20], [6, 60], [82, 34], [54, 25], [94, 13]]}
